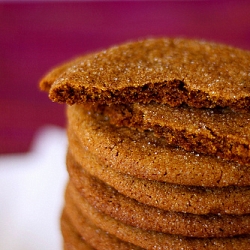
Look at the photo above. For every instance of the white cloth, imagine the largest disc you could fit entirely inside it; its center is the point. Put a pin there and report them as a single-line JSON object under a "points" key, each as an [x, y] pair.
{"points": [[31, 193]]}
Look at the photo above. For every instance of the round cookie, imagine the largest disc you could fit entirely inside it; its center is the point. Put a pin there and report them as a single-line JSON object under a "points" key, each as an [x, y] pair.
{"points": [[164, 70], [218, 132], [195, 199], [92, 234], [71, 239], [150, 239], [145, 156], [167, 196], [57, 71], [107, 200]]}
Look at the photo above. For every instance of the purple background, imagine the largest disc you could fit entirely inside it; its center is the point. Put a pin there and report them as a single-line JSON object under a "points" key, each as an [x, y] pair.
{"points": [[37, 36]]}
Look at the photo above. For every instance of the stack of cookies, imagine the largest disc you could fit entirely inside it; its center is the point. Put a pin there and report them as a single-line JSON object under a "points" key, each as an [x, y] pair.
{"points": [[159, 146]]}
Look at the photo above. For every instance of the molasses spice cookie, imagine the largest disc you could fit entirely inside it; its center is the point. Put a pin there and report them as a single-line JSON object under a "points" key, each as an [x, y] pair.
{"points": [[188, 199], [144, 238], [173, 71], [218, 132], [109, 201], [71, 238], [145, 156]]}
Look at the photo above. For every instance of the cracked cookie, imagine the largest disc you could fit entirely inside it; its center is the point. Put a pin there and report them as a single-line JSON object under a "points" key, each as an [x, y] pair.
{"points": [[159, 146], [219, 132], [164, 70], [143, 155]]}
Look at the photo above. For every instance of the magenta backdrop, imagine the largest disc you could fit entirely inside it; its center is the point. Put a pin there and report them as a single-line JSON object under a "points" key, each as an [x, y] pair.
{"points": [[37, 36]]}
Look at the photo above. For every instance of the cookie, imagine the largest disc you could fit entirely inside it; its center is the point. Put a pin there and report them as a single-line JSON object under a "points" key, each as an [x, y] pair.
{"points": [[56, 71], [159, 152], [170, 197], [164, 70], [71, 239], [107, 200], [145, 156], [93, 234], [148, 239], [218, 132]]}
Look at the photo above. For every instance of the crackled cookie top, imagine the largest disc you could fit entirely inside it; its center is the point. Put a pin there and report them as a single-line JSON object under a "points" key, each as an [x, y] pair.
{"points": [[163, 195], [172, 71], [218, 132], [146, 239], [111, 202], [145, 156]]}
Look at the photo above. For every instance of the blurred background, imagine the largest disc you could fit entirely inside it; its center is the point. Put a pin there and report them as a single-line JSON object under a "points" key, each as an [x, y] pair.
{"points": [[36, 36]]}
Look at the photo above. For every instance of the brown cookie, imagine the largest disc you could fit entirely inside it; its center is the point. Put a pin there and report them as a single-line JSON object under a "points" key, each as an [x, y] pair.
{"points": [[148, 239], [170, 197], [218, 132], [173, 71], [93, 234], [145, 156], [53, 74], [71, 239], [107, 200], [188, 166]]}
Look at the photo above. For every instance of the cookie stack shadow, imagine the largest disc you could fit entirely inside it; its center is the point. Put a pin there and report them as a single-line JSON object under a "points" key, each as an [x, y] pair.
{"points": [[131, 189], [158, 146]]}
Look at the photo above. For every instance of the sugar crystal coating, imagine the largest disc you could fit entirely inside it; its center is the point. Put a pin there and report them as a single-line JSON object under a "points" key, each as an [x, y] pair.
{"points": [[218, 132], [192, 194], [178, 198], [107, 200], [144, 238], [145, 156], [172, 71]]}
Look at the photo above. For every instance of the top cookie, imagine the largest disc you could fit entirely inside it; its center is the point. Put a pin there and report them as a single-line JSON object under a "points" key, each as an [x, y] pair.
{"points": [[173, 71]]}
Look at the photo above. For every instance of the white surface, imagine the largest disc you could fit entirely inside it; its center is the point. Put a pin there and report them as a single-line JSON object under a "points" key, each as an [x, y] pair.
{"points": [[31, 194]]}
